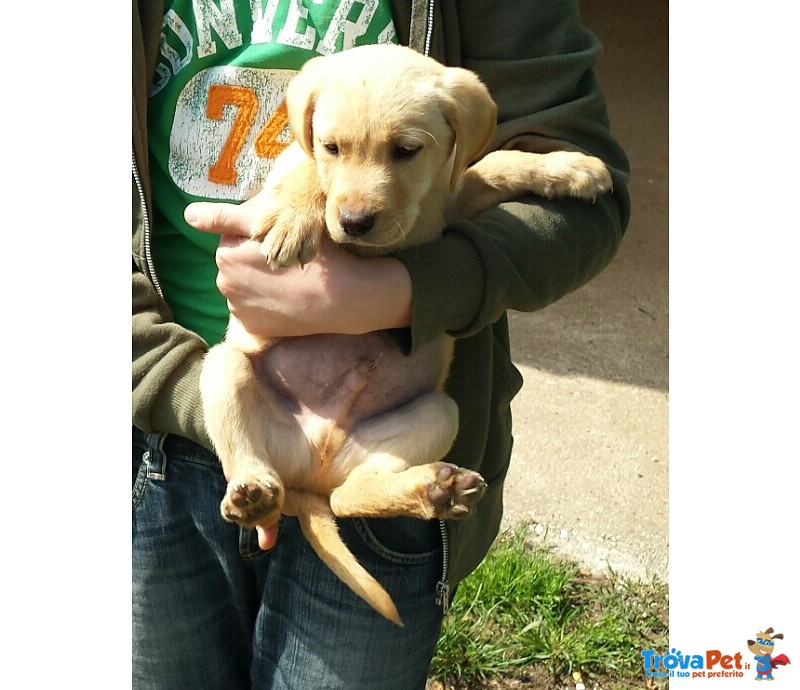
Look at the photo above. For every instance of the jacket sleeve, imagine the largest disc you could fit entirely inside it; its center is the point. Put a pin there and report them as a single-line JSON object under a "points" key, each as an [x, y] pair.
{"points": [[167, 359], [166, 370], [537, 61]]}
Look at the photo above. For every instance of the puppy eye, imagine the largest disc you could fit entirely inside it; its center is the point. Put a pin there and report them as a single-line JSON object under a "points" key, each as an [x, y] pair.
{"points": [[331, 148], [404, 153]]}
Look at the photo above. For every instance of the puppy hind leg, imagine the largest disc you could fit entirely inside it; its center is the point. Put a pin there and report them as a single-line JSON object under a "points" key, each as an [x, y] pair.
{"points": [[233, 406], [395, 470], [436, 490]]}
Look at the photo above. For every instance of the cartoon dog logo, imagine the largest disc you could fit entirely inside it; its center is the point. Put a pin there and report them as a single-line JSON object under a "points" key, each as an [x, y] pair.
{"points": [[762, 647]]}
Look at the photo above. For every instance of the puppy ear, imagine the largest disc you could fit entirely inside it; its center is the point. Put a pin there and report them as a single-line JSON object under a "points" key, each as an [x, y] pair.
{"points": [[300, 98], [470, 111]]}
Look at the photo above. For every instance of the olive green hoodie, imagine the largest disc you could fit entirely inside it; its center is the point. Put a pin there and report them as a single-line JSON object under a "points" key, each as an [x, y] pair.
{"points": [[537, 61]]}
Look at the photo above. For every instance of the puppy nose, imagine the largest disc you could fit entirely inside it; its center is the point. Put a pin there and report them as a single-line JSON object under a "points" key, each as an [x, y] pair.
{"points": [[357, 223]]}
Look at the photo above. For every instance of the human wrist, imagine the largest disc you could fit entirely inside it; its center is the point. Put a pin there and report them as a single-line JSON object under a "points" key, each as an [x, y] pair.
{"points": [[385, 293], [398, 282]]}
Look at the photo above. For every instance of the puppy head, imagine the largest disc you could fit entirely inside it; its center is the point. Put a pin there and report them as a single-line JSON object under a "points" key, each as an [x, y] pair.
{"points": [[391, 132]]}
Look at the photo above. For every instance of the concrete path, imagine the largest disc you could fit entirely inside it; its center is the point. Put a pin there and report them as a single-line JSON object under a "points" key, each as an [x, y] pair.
{"points": [[590, 466]]}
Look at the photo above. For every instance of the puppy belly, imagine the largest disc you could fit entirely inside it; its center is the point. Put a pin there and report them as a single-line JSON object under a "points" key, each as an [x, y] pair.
{"points": [[334, 385], [344, 379]]}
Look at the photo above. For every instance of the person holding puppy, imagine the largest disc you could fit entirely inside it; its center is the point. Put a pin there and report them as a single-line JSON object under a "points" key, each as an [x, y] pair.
{"points": [[218, 606]]}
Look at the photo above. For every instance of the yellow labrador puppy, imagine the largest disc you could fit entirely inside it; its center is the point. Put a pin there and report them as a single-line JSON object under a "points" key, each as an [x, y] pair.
{"points": [[332, 426]]}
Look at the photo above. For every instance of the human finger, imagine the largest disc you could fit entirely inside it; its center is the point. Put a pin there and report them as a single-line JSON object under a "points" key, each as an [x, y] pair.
{"points": [[233, 241], [267, 537], [221, 218]]}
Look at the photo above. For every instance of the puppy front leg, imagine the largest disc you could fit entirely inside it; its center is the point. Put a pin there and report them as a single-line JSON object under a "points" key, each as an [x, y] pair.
{"points": [[501, 175], [293, 221], [234, 412]]}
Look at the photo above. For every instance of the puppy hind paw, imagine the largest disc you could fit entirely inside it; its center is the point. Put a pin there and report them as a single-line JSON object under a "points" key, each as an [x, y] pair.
{"points": [[455, 491], [250, 501]]}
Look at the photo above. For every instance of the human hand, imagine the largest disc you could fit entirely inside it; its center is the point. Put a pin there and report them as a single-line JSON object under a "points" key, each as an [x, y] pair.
{"points": [[337, 292]]}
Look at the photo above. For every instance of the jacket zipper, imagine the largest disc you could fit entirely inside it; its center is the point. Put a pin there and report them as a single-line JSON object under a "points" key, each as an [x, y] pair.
{"points": [[148, 257], [429, 30], [442, 587]]}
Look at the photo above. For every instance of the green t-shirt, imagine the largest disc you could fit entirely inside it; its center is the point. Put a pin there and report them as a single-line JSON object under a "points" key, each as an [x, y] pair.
{"points": [[217, 120]]}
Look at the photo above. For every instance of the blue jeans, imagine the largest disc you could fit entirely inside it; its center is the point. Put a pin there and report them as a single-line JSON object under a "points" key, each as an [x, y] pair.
{"points": [[211, 610]]}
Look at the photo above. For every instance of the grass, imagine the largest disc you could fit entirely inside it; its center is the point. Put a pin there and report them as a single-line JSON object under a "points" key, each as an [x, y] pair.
{"points": [[525, 610]]}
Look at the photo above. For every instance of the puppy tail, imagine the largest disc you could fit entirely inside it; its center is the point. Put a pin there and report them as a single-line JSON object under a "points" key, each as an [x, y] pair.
{"points": [[319, 526]]}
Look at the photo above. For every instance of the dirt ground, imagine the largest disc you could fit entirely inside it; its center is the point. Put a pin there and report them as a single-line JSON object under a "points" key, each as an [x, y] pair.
{"points": [[539, 679]]}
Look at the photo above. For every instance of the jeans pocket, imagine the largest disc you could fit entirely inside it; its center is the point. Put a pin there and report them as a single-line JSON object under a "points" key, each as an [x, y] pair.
{"points": [[140, 468], [401, 539]]}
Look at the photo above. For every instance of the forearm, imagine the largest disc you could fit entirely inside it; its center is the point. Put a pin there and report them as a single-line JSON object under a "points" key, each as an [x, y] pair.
{"points": [[381, 295], [522, 255]]}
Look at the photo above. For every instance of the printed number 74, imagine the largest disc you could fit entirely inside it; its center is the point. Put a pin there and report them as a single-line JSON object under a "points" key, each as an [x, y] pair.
{"points": [[246, 103]]}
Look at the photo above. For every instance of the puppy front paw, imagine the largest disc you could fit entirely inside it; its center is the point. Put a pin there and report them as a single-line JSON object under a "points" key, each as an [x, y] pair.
{"points": [[252, 500], [575, 174], [455, 491], [292, 239]]}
